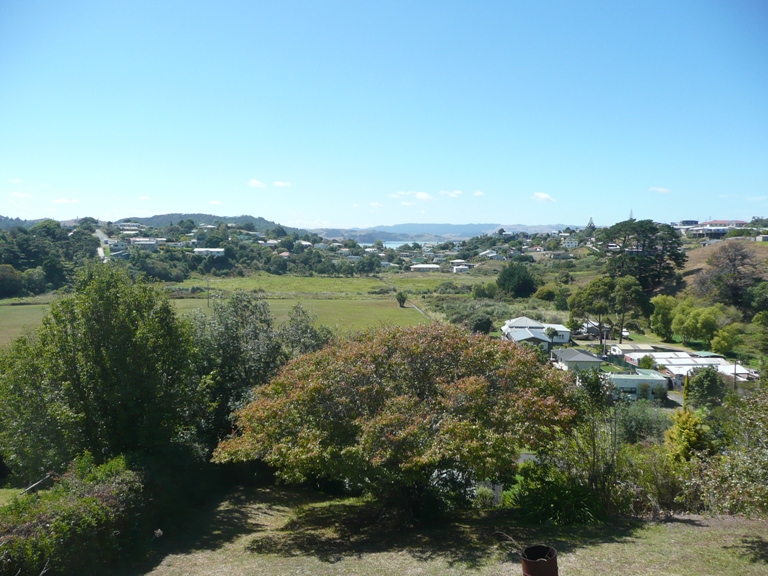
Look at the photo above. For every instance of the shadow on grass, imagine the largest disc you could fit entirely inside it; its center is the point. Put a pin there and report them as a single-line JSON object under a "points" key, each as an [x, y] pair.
{"points": [[339, 530], [291, 523], [225, 517], [755, 548]]}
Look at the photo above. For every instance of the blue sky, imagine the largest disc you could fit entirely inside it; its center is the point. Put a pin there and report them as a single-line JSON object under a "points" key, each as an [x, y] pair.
{"points": [[355, 113]]}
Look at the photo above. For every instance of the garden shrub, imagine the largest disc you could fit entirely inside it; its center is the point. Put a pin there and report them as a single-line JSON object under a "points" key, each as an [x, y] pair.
{"points": [[483, 497], [642, 420], [657, 481], [545, 495], [82, 524]]}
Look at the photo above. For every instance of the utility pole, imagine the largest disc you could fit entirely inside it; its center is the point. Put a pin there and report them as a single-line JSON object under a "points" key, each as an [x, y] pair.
{"points": [[208, 291]]}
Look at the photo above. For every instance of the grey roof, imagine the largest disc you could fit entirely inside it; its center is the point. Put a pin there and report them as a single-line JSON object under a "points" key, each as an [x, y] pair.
{"points": [[523, 334], [523, 322], [574, 355]]}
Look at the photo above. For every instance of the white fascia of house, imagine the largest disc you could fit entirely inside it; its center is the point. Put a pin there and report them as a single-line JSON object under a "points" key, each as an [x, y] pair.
{"points": [[215, 252], [425, 267]]}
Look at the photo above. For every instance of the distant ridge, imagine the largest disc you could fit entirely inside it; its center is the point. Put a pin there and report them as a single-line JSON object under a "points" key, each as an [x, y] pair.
{"points": [[432, 232], [161, 220], [8, 223]]}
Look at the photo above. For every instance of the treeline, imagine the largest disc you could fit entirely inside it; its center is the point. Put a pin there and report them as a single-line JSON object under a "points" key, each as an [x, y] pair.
{"points": [[43, 257]]}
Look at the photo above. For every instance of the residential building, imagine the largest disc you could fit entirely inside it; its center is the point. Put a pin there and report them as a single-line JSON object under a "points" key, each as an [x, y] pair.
{"points": [[575, 360]]}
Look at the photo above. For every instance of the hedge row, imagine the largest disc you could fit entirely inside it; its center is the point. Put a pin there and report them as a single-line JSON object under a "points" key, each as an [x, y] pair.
{"points": [[83, 523]]}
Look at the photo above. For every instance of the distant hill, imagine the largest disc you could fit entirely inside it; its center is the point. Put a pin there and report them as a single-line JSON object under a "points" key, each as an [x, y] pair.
{"points": [[430, 232], [8, 223], [161, 220], [447, 230]]}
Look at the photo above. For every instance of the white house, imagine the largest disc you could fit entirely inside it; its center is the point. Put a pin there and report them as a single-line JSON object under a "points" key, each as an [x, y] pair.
{"points": [[570, 243], [425, 268], [524, 329], [215, 252]]}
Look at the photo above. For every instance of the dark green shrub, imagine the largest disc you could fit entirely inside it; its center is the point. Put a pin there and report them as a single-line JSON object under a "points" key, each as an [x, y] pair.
{"points": [[547, 496], [82, 524], [642, 420], [657, 481], [481, 323], [546, 293]]}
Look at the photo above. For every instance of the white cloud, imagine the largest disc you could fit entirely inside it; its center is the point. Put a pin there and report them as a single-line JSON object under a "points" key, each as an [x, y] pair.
{"points": [[15, 180], [478, 193], [418, 195], [215, 202], [376, 204], [282, 184], [451, 193], [659, 190], [542, 197], [21, 195], [404, 203], [66, 201], [256, 184], [756, 198], [143, 197]]}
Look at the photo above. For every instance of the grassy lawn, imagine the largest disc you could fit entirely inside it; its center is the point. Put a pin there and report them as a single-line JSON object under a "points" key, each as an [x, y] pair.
{"points": [[273, 531], [344, 314], [14, 320], [7, 494]]}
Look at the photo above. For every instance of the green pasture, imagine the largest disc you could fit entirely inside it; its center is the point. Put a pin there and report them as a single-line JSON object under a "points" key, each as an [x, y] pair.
{"points": [[323, 287], [344, 315], [341, 314], [15, 320]]}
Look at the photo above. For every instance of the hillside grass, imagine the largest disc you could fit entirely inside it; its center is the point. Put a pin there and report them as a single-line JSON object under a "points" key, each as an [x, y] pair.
{"points": [[344, 315], [275, 531], [325, 287], [15, 320]]}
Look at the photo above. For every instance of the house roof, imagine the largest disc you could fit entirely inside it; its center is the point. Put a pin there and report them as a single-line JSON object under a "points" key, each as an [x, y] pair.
{"points": [[574, 355], [523, 322], [523, 334]]}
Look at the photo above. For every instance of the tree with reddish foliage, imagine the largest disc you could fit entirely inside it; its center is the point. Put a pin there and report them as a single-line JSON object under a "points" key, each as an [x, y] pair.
{"points": [[412, 416]]}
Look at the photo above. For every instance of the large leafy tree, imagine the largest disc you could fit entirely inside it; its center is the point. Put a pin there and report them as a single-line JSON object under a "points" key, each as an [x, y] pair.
{"points": [[238, 347], [706, 387], [109, 371], [732, 275], [628, 298], [663, 316], [593, 302], [650, 252], [516, 280], [404, 413]]}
